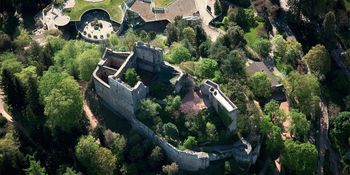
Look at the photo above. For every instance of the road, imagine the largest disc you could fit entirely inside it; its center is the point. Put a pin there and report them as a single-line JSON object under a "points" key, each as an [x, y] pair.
{"points": [[206, 17]]}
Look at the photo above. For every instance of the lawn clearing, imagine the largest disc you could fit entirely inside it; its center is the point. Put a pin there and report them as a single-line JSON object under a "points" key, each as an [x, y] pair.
{"points": [[163, 3], [253, 33], [113, 7]]}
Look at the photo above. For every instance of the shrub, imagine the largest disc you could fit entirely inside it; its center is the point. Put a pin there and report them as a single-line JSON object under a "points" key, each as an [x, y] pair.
{"points": [[190, 142]]}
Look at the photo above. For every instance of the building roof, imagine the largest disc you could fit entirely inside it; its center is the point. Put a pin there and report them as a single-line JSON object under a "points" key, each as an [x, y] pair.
{"points": [[177, 8], [261, 67]]}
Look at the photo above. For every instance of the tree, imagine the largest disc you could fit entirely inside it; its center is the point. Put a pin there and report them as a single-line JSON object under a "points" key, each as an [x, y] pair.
{"points": [[170, 131], [318, 60], [149, 112], [263, 47], [190, 142], [201, 36], [279, 45], [205, 68], [156, 157], [234, 65], [22, 38], [171, 33], [304, 91], [329, 30], [274, 142], [293, 52], [12, 89], [172, 104], [35, 168], [217, 8], [179, 54], [95, 159], [260, 84], [11, 157], [131, 77], [171, 169], [63, 105], [5, 42], [188, 33], [49, 81], [340, 128], [289, 51], [308, 8], [116, 142], [87, 63], [276, 114], [300, 125], [234, 38], [300, 158], [105, 161], [70, 171]]}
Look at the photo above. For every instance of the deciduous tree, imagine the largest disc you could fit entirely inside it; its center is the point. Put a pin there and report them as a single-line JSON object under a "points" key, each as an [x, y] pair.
{"points": [[63, 105], [87, 63], [318, 60], [304, 91], [261, 85], [300, 125], [300, 158]]}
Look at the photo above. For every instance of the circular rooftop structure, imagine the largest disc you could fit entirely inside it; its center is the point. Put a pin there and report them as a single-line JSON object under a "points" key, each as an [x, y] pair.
{"points": [[61, 20], [96, 25]]}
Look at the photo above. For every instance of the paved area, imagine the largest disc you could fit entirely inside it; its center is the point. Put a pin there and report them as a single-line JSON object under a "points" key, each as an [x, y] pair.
{"points": [[206, 17], [102, 32], [192, 102], [177, 8]]}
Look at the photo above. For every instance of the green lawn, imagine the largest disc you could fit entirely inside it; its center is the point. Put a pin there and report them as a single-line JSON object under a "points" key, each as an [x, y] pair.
{"points": [[253, 34], [162, 3], [81, 6]]}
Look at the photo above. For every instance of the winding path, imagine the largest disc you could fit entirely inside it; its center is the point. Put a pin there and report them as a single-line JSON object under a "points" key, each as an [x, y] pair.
{"points": [[88, 113], [212, 32]]}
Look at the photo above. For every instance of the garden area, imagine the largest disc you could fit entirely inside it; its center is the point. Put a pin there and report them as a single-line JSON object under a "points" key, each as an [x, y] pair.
{"points": [[110, 6], [185, 130], [162, 3]]}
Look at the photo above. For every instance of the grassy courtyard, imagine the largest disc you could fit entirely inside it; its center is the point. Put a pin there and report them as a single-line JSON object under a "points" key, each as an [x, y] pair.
{"points": [[162, 3], [81, 6]]}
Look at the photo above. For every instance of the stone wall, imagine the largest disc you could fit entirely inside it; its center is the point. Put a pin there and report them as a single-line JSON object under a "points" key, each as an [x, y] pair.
{"points": [[221, 103], [187, 159], [149, 58]]}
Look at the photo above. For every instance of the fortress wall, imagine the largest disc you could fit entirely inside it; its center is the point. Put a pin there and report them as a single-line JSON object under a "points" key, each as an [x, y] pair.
{"points": [[188, 160], [126, 99], [149, 57]]}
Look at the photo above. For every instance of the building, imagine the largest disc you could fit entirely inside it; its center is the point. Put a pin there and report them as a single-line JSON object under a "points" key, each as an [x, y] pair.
{"points": [[145, 15], [222, 104], [148, 61]]}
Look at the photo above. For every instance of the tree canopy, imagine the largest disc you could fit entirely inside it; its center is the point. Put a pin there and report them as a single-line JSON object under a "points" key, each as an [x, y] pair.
{"points": [[94, 158], [261, 85], [304, 91], [318, 60], [63, 105], [300, 158]]}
